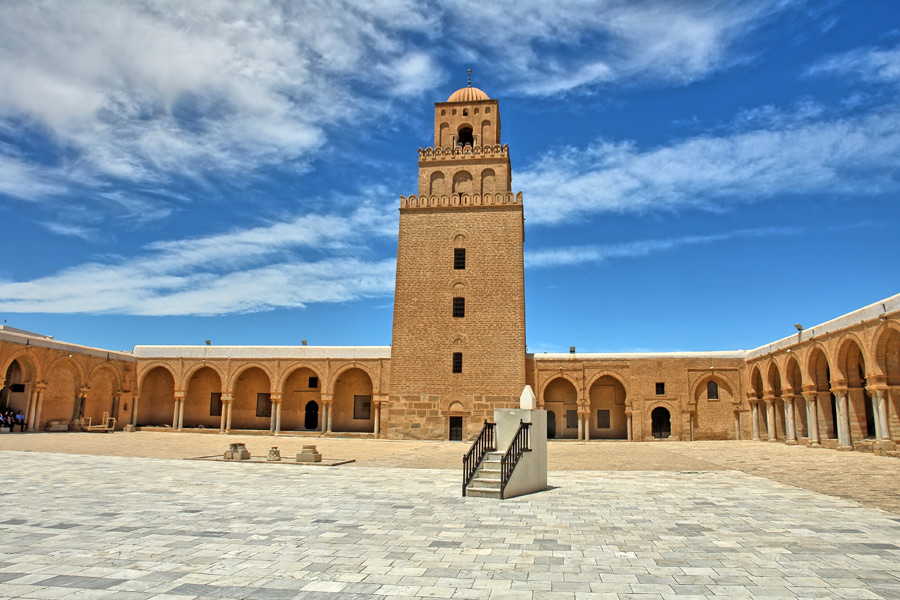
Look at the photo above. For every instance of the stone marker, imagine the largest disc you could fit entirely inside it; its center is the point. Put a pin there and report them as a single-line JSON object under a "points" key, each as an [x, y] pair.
{"points": [[237, 451], [309, 454], [527, 400], [129, 428], [274, 454]]}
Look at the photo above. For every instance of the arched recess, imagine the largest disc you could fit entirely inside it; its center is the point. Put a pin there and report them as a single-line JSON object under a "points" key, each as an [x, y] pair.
{"points": [[103, 384], [203, 398], [794, 378], [437, 185], [561, 398], [887, 354], [756, 384], [606, 419], [465, 135], [64, 382], [19, 377], [487, 133], [157, 399], [352, 406], [818, 372], [773, 387], [301, 400], [444, 139], [488, 182], [462, 182], [252, 407], [714, 398], [851, 363]]}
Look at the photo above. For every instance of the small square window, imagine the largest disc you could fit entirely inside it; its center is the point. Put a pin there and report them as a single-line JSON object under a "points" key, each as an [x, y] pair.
{"points": [[660, 389], [459, 307], [215, 404], [264, 405], [362, 407], [571, 419], [602, 419], [457, 362], [313, 383], [459, 258]]}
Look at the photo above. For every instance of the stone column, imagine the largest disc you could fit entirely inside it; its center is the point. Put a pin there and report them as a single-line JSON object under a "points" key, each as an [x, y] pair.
{"points": [[754, 417], [175, 413], [812, 418], [223, 419], [181, 412], [737, 424], [882, 428], [36, 426], [580, 426], [274, 417], [843, 416], [278, 416], [326, 401], [134, 409], [789, 430], [770, 419], [629, 432], [32, 407], [587, 427], [227, 401], [377, 428]]}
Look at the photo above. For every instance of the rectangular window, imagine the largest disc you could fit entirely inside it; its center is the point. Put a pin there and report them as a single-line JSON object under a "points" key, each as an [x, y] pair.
{"points": [[459, 258], [459, 307], [17, 388], [264, 405], [362, 407], [457, 362], [602, 419], [215, 404], [571, 419], [313, 383], [660, 389]]}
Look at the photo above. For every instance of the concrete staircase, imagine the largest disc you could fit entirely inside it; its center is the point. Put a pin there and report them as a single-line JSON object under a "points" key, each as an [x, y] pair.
{"points": [[486, 482]]}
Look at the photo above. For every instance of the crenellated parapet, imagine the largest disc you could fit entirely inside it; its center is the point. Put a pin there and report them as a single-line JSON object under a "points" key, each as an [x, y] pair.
{"points": [[493, 152], [454, 200]]}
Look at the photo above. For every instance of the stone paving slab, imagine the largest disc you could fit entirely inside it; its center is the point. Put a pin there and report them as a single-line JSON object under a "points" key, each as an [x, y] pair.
{"points": [[123, 527]]}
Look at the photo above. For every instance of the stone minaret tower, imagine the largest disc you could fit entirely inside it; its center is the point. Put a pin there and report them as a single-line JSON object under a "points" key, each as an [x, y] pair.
{"points": [[458, 349]]}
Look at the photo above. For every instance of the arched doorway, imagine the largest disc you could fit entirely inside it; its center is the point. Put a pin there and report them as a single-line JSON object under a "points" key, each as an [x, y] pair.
{"points": [[660, 423], [102, 387], [311, 418], [606, 419], [14, 395], [852, 370], [63, 395], [301, 393], [561, 404], [774, 380]]}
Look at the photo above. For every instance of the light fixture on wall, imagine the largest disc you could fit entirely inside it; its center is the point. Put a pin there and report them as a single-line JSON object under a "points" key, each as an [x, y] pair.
{"points": [[798, 326], [303, 342], [208, 342], [571, 349]]}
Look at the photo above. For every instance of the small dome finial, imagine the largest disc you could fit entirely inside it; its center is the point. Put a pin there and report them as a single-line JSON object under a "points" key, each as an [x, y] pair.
{"points": [[470, 77]]}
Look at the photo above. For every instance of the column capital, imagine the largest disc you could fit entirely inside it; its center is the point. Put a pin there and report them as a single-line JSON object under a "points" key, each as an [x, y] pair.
{"points": [[179, 394], [840, 390], [769, 399], [84, 390], [809, 390], [227, 397], [275, 398]]}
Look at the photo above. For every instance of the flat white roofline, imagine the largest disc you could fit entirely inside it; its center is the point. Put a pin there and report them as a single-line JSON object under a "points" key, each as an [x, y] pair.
{"points": [[42, 341], [614, 355], [876, 310], [373, 352]]}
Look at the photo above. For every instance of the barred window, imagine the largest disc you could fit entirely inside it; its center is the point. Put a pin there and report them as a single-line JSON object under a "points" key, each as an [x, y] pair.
{"points": [[661, 389], [459, 258], [602, 419], [571, 419], [457, 362], [362, 407], [712, 391], [313, 383], [264, 405], [459, 307], [215, 404]]}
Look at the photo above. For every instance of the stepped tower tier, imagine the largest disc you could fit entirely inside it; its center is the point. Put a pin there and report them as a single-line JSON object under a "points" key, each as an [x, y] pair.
{"points": [[458, 348]]}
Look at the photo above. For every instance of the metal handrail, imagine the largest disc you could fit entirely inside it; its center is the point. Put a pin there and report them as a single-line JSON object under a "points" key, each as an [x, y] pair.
{"points": [[483, 443], [520, 444]]}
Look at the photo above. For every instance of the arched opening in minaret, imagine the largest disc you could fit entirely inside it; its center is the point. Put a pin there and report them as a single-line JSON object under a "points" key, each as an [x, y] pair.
{"points": [[464, 137]]}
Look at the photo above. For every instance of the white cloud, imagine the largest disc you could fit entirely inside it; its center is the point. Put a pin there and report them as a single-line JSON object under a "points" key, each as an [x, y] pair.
{"points": [[311, 258], [575, 255], [851, 156], [870, 64], [551, 47]]}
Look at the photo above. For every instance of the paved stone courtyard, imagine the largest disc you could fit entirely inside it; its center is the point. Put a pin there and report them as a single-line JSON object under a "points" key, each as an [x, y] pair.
{"points": [[92, 526]]}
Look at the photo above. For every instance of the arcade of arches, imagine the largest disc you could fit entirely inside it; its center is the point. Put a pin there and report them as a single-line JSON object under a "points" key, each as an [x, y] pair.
{"points": [[836, 385]]}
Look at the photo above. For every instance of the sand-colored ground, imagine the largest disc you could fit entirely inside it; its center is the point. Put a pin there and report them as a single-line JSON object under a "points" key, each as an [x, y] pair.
{"points": [[864, 478]]}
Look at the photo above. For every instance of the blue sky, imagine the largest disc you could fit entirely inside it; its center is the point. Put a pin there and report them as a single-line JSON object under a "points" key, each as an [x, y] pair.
{"points": [[697, 175]]}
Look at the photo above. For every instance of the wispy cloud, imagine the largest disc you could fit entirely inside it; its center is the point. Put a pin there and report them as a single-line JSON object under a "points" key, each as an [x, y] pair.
{"points": [[796, 155], [310, 258], [575, 255], [868, 64]]}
